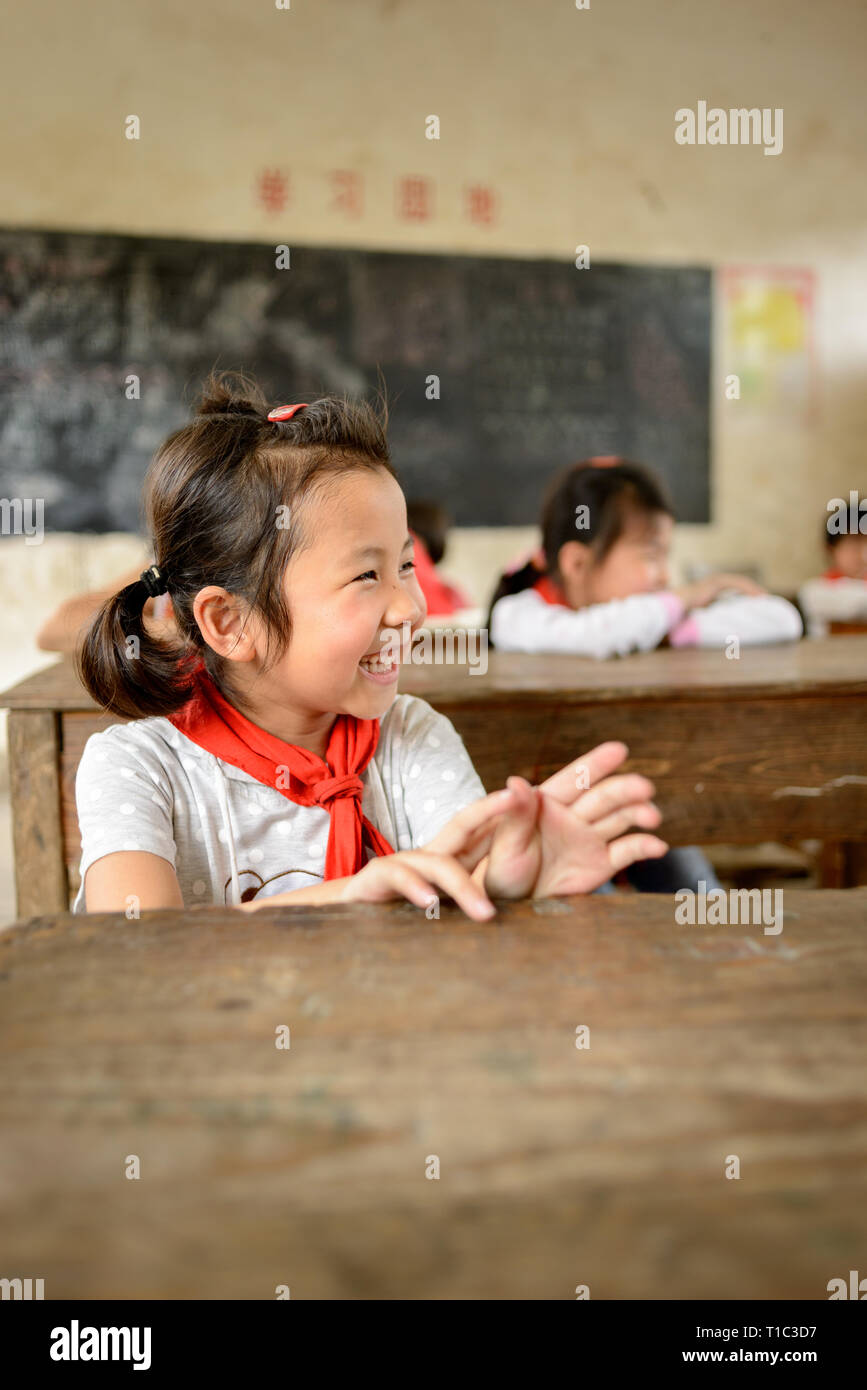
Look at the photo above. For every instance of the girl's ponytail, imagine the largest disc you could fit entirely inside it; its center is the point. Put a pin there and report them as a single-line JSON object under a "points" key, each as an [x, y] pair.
{"points": [[124, 668], [514, 582]]}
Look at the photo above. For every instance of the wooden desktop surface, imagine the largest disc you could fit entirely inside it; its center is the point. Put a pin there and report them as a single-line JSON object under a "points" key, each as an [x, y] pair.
{"points": [[412, 1039]]}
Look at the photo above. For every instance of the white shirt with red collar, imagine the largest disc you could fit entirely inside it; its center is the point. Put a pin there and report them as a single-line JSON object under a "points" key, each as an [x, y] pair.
{"points": [[540, 620], [833, 597]]}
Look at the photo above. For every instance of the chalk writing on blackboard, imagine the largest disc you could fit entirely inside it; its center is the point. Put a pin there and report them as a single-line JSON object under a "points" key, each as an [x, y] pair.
{"points": [[538, 364]]}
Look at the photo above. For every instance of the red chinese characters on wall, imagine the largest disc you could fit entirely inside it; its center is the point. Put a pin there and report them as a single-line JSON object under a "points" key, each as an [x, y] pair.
{"points": [[481, 204], [273, 189], [414, 196], [348, 192]]}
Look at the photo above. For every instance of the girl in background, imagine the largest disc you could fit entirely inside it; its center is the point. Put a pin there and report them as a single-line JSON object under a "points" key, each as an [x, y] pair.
{"points": [[600, 587], [840, 594], [270, 758], [428, 526]]}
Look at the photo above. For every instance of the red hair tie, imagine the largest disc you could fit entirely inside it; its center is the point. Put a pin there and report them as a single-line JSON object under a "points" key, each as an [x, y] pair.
{"points": [[285, 412], [605, 460]]}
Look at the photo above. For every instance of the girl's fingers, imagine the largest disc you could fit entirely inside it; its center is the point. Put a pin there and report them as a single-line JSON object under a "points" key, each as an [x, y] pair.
{"points": [[572, 781], [413, 886], [631, 848], [642, 813], [522, 792], [454, 880], [612, 795], [518, 826], [470, 821]]}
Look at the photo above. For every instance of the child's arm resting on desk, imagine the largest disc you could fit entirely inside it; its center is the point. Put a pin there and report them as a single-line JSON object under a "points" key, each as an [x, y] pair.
{"points": [[524, 841], [518, 842], [417, 874], [526, 623], [752, 619], [64, 628], [145, 882], [124, 803], [128, 878]]}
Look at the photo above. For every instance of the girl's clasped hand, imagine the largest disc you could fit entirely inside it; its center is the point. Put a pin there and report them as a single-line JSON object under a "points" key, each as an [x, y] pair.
{"points": [[565, 836]]}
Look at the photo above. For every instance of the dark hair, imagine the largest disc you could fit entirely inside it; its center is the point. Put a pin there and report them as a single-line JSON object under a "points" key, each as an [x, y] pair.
{"points": [[611, 492], [213, 497], [430, 522]]}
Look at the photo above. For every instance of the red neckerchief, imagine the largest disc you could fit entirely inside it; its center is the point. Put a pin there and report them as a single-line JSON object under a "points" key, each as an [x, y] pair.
{"points": [[833, 574], [549, 591], [211, 722]]}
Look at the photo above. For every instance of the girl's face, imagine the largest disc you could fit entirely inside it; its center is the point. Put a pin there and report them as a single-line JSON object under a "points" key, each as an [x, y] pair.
{"points": [[637, 563], [353, 582], [849, 556]]}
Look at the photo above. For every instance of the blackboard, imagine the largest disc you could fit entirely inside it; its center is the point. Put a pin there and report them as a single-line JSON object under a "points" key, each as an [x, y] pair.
{"points": [[539, 364]]}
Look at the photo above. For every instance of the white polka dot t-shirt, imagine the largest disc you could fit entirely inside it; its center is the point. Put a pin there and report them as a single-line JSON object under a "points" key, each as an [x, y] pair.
{"points": [[145, 786]]}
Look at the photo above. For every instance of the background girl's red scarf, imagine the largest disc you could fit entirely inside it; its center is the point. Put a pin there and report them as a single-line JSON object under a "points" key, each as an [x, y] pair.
{"points": [[549, 591]]}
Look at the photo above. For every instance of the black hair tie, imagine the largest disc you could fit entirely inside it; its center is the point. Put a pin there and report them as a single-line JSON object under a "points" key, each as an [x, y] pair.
{"points": [[154, 581]]}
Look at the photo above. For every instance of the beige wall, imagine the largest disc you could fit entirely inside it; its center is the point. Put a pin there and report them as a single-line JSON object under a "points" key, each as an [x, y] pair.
{"points": [[568, 114]]}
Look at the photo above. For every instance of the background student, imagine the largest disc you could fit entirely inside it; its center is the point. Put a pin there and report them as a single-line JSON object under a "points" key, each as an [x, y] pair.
{"points": [[600, 585], [840, 594], [429, 523], [63, 630]]}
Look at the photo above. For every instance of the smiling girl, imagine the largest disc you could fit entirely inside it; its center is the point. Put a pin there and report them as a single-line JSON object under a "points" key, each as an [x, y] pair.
{"points": [[270, 758]]}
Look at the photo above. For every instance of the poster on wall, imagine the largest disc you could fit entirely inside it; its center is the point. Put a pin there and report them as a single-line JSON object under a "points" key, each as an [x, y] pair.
{"points": [[768, 342]]}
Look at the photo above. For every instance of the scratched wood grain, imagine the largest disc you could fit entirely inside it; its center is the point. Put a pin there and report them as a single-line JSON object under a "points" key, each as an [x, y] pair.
{"points": [[412, 1038], [39, 823]]}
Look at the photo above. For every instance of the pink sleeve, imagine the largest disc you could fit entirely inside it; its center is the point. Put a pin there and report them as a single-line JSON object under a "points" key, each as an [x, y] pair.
{"points": [[673, 606], [686, 633]]}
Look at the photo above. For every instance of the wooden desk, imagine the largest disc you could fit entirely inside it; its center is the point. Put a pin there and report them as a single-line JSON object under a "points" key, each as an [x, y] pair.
{"points": [[772, 746], [410, 1038]]}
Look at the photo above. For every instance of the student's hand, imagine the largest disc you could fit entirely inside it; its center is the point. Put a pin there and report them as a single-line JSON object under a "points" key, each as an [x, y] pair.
{"points": [[563, 837], [467, 836], [417, 875], [705, 591], [445, 861]]}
